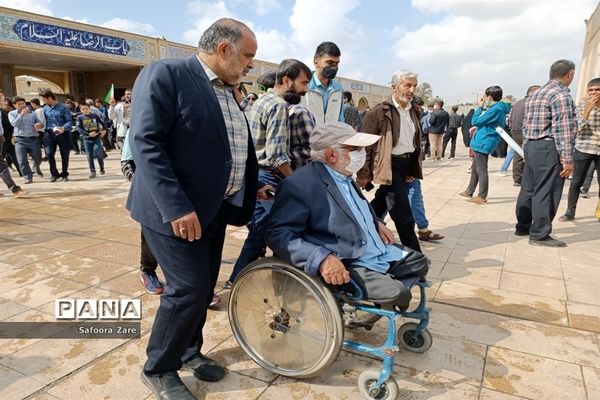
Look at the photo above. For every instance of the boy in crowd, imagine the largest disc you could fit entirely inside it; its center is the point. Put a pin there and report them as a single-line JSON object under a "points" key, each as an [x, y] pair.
{"points": [[91, 128]]}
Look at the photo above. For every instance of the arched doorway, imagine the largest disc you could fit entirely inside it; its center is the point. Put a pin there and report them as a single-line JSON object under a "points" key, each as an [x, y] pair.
{"points": [[363, 104], [29, 86]]}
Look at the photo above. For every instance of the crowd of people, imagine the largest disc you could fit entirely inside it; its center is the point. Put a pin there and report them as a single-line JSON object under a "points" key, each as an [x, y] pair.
{"points": [[34, 130], [292, 162]]}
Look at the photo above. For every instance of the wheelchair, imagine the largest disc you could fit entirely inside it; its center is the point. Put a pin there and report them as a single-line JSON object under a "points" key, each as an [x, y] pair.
{"points": [[292, 324]]}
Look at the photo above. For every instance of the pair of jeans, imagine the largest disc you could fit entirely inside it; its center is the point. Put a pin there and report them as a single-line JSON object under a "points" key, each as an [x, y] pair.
{"points": [[93, 148], [63, 141], [581, 165], [417, 206], [25, 146], [507, 160], [255, 245], [479, 175]]}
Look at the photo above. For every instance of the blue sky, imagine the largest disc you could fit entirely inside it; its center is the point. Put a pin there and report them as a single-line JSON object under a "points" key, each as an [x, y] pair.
{"points": [[460, 47]]}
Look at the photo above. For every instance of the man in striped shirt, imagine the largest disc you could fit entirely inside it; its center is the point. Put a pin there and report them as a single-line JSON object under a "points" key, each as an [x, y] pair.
{"points": [[270, 127], [587, 145], [548, 132]]}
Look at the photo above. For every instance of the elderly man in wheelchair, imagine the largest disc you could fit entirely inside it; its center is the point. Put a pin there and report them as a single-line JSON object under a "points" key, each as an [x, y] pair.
{"points": [[337, 265]]}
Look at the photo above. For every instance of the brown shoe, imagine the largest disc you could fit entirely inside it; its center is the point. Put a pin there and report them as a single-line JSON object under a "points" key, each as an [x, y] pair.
{"points": [[477, 200], [465, 194], [21, 193]]}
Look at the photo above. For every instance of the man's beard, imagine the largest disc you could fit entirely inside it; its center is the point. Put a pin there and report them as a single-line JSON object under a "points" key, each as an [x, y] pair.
{"points": [[292, 97]]}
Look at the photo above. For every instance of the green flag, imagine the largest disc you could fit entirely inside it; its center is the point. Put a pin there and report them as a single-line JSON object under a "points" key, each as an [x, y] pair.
{"points": [[110, 94]]}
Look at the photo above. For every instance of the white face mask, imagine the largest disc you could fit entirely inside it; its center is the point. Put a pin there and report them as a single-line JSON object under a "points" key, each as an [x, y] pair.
{"points": [[357, 160]]}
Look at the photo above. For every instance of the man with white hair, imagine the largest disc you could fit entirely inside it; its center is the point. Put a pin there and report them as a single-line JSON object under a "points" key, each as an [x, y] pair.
{"points": [[396, 158], [322, 223]]}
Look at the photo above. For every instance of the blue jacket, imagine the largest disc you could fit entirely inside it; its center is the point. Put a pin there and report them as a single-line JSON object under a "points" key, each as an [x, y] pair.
{"points": [[310, 219], [181, 149], [486, 138]]}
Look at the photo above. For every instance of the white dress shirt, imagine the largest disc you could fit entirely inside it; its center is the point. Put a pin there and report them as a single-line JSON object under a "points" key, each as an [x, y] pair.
{"points": [[406, 142]]}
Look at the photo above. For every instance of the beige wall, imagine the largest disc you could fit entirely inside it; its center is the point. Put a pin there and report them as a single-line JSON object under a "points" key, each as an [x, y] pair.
{"points": [[590, 60]]}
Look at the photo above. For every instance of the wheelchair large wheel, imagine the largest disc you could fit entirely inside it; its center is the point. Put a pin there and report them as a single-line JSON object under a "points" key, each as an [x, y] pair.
{"points": [[286, 321]]}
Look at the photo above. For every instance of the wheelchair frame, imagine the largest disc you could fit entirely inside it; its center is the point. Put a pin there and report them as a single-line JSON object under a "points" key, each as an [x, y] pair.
{"points": [[387, 351], [260, 324]]}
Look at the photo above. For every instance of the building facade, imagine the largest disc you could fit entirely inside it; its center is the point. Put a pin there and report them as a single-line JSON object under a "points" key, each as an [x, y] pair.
{"points": [[40, 52], [590, 60]]}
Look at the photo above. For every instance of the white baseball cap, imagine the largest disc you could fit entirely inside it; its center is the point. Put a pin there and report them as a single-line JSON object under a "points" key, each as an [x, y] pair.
{"points": [[332, 133]]}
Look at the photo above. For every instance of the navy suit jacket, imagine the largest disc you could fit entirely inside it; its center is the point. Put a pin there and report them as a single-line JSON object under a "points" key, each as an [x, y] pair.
{"points": [[181, 149], [311, 219]]}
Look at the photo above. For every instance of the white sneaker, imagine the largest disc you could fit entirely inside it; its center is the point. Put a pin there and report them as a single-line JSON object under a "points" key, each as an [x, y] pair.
{"points": [[501, 173]]}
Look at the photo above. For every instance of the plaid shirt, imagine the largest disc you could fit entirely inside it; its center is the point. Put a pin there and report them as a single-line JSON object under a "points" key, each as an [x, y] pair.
{"points": [[270, 127], [588, 131], [550, 112], [351, 116], [237, 130], [302, 123]]}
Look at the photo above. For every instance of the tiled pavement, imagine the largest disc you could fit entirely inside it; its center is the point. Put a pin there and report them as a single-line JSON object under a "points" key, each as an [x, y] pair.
{"points": [[509, 321]]}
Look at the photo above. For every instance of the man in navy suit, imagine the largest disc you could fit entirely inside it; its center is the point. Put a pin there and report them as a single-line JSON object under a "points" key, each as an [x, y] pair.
{"points": [[322, 223], [196, 173]]}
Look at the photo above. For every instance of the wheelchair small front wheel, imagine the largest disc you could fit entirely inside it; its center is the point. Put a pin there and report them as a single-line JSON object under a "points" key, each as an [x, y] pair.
{"points": [[409, 340], [366, 384]]}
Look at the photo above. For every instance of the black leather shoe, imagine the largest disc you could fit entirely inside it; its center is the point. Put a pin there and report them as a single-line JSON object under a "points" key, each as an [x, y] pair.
{"points": [[521, 233], [567, 217], [167, 386], [548, 242], [204, 368]]}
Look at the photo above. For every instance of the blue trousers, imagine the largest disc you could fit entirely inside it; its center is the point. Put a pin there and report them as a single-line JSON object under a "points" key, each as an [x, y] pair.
{"points": [[254, 245], [93, 148], [509, 157], [417, 206], [24, 147]]}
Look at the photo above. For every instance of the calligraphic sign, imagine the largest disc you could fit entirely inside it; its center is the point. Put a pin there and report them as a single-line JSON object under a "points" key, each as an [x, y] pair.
{"points": [[356, 86], [37, 32]]}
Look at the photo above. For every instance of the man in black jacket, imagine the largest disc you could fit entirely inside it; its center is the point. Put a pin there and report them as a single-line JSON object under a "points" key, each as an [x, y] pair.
{"points": [[438, 122]]}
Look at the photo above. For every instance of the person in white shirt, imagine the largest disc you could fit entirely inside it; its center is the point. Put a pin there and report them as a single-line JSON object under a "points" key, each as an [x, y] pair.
{"points": [[120, 114], [396, 158]]}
